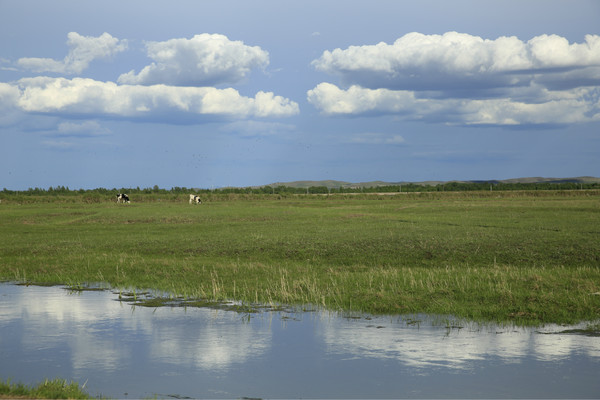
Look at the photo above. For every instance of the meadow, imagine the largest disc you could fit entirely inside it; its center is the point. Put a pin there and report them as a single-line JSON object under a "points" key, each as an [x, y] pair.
{"points": [[518, 257]]}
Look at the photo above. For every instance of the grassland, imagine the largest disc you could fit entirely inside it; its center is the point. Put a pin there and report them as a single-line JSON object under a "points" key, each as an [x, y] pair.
{"points": [[524, 257]]}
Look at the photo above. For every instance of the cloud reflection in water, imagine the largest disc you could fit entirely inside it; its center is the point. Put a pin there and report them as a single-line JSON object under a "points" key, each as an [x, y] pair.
{"points": [[426, 345], [201, 352]]}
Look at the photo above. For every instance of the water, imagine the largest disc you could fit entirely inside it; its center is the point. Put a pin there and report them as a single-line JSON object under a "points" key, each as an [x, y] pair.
{"points": [[121, 351]]}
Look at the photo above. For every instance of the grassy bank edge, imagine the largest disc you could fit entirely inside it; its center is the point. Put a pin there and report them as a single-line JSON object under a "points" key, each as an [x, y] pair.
{"points": [[500, 295], [48, 389]]}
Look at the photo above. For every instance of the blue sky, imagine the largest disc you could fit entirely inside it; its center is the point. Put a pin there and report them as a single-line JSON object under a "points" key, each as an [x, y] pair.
{"points": [[241, 93]]}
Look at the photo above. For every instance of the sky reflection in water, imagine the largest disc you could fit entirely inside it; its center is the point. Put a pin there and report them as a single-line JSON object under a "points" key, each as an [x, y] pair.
{"points": [[130, 352]]}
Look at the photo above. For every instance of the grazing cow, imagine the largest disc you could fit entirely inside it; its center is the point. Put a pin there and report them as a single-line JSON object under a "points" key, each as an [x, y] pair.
{"points": [[195, 199], [122, 197]]}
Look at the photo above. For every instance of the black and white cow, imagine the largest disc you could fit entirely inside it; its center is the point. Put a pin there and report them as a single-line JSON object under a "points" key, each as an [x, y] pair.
{"points": [[122, 197], [195, 199]]}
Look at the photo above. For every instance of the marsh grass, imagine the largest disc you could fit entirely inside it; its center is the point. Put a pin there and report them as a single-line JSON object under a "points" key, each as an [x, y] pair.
{"points": [[48, 389], [523, 257]]}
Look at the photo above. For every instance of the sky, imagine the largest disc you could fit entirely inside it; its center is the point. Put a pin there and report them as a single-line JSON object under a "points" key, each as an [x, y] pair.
{"points": [[208, 94]]}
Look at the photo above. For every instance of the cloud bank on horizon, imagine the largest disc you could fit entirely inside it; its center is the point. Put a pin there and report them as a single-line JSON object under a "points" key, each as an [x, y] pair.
{"points": [[458, 78], [454, 78]]}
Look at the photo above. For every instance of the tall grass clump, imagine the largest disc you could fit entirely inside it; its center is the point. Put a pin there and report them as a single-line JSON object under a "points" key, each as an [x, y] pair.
{"points": [[48, 389]]}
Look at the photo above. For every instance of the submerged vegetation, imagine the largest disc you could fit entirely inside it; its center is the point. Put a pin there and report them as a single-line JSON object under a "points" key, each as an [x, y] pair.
{"points": [[527, 257]]}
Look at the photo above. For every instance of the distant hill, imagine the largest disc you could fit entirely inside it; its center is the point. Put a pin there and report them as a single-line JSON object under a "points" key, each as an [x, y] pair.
{"points": [[306, 184], [343, 184], [580, 179]]}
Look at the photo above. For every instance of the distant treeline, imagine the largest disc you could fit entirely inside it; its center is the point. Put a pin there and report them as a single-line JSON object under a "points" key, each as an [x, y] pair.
{"points": [[409, 187]]}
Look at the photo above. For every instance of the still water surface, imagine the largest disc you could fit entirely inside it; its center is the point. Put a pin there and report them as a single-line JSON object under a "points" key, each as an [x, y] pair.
{"points": [[121, 351]]}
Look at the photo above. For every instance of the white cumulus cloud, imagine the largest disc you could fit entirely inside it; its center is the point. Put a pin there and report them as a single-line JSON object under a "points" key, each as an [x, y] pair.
{"points": [[81, 97], [577, 105], [331, 99], [9, 95], [203, 60], [455, 61], [82, 51], [460, 78]]}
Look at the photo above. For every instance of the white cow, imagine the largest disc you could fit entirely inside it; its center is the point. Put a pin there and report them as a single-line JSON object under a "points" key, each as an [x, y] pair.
{"points": [[195, 199], [122, 197]]}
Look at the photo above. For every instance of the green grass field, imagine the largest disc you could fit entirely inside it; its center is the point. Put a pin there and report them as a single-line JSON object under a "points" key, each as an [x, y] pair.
{"points": [[523, 257]]}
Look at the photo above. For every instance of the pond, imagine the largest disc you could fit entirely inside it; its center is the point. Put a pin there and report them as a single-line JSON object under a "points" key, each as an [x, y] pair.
{"points": [[124, 351]]}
